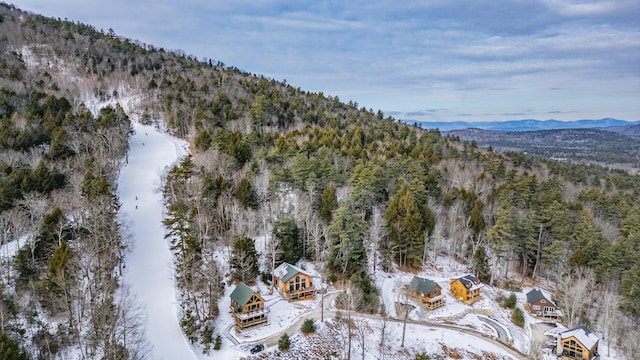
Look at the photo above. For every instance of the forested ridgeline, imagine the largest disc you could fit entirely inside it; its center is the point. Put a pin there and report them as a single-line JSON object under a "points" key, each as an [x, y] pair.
{"points": [[60, 289], [276, 174]]}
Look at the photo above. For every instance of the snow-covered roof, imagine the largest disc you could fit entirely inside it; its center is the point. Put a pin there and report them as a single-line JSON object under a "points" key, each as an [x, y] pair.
{"points": [[582, 335], [286, 271], [469, 281], [537, 294], [476, 286], [436, 298]]}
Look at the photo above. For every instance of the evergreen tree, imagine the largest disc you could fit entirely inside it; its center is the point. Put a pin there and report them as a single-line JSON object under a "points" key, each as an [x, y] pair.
{"points": [[202, 141], [631, 290], [246, 194], [286, 231], [328, 203], [10, 350], [308, 327], [481, 265], [517, 317], [476, 219], [406, 228], [585, 232], [284, 343], [346, 236], [503, 233], [244, 259], [183, 241], [94, 186], [369, 183]]}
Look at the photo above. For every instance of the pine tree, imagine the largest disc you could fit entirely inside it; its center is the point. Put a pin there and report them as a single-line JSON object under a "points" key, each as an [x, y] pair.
{"points": [[286, 232], [631, 290], [406, 228], [244, 259], [346, 236], [328, 203], [183, 242], [476, 219], [246, 194], [308, 327], [284, 343], [517, 317], [10, 350], [503, 233], [481, 265]]}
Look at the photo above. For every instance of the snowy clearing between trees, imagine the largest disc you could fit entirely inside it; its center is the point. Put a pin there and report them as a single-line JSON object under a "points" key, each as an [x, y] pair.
{"points": [[149, 263]]}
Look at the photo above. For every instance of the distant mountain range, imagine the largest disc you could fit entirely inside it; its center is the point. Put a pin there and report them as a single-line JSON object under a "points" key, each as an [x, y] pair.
{"points": [[615, 146], [522, 125]]}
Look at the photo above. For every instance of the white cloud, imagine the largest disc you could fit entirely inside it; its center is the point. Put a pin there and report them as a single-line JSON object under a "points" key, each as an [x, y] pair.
{"points": [[473, 58], [588, 8]]}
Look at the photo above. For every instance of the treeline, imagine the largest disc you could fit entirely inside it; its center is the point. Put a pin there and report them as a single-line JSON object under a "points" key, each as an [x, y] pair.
{"points": [[279, 174], [60, 289], [309, 177]]}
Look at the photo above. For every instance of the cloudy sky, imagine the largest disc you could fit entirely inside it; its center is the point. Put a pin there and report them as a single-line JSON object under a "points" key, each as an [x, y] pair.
{"points": [[431, 60]]}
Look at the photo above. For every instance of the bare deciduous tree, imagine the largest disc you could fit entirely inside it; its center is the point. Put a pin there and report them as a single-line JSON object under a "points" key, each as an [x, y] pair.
{"points": [[349, 300], [609, 315], [575, 293], [377, 232]]}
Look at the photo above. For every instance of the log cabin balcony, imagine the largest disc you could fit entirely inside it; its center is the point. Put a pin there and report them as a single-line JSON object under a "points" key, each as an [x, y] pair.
{"points": [[306, 293], [250, 319]]}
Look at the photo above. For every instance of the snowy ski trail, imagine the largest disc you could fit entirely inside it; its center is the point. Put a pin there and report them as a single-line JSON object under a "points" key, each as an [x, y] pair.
{"points": [[149, 263]]}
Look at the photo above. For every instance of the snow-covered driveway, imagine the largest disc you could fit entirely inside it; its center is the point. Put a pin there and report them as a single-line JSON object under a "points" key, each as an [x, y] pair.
{"points": [[148, 265]]}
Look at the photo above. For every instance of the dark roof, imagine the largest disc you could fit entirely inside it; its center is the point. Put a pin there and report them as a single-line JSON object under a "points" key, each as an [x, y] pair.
{"points": [[534, 295], [468, 280], [241, 294], [422, 285], [537, 294]]}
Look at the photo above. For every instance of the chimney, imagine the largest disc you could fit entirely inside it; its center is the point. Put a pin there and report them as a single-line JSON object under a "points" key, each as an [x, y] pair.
{"points": [[558, 345]]}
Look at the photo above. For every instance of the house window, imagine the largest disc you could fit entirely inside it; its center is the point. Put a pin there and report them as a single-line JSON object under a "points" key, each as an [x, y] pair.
{"points": [[543, 301], [536, 307], [572, 349]]}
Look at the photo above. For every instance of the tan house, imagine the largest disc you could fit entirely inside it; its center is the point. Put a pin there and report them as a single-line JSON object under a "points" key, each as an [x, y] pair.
{"points": [[293, 283], [578, 343], [466, 288], [427, 291], [247, 307], [540, 305]]}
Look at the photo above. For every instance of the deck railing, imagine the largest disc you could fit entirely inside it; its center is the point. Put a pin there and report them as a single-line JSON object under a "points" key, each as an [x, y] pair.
{"points": [[304, 292]]}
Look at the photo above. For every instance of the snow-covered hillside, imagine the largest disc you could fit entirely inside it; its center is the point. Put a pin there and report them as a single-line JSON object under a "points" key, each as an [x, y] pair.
{"points": [[149, 271]]}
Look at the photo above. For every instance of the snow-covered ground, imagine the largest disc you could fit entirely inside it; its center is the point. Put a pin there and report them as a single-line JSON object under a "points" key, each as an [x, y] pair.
{"points": [[151, 254], [148, 265], [149, 271]]}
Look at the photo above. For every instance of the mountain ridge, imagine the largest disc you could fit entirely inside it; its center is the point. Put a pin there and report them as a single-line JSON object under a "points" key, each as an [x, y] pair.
{"points": [[608, 146], [523, 125]]}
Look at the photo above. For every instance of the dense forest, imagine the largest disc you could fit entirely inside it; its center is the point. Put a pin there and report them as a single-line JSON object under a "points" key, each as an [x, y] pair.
{"points": [[346, 187]]}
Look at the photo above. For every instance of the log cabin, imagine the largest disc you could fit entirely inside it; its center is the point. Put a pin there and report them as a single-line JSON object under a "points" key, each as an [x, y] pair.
{"points": [[427, 291], [577, 343], [466, 288], [293, 283], [247, 307]]}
